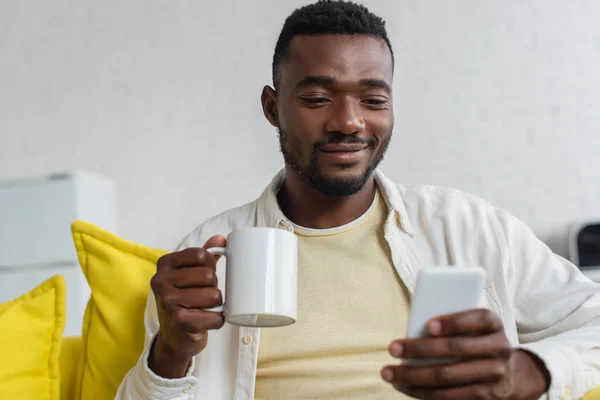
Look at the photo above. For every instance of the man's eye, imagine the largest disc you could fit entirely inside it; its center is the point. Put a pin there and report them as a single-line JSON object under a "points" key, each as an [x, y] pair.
{"points": [[315, 100], [374, 102]]}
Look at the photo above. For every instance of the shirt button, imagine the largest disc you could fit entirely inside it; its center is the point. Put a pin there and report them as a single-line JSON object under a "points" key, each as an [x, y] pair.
{"points": [[248, 339]]}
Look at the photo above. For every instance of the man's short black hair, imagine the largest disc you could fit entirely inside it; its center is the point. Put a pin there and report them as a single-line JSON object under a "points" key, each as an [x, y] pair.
{"points": [[328, 17]]}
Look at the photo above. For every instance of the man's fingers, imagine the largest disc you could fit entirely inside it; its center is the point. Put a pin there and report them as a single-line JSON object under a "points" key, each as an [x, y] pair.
{"points": [[193, 256], [468, 372], [193, 321], [190, 257], [495, 345], [183, 278], [469, 322], [196, 298], [470, 392]]}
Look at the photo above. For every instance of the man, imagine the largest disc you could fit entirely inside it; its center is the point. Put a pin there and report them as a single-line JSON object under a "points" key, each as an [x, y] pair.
{"points": [[362, 241]]}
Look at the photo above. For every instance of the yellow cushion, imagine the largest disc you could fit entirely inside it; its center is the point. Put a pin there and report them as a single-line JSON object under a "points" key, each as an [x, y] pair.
{"points": [[31, 328], [70, 357], [593, 395], [118, 273]]}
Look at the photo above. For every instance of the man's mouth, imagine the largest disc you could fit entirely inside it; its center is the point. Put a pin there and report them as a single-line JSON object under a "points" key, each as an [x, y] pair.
{"points": [[343, 148]]}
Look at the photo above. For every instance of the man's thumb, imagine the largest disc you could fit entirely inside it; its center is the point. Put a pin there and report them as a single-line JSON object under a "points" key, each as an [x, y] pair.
{"points": [[215, 241]]}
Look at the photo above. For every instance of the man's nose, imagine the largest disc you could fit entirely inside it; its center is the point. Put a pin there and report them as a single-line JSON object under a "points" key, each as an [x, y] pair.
{"points": [[346, 117]]}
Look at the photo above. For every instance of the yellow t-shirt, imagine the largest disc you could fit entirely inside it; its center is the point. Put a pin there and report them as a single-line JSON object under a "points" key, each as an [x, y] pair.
{"points": [[351, 305]]}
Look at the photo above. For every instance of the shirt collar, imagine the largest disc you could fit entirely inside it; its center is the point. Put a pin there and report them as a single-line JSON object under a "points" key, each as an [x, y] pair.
{"points": [[270, 215]]}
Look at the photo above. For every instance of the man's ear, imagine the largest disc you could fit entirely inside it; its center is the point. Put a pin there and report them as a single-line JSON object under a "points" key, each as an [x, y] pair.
{"points": [[268, 99]]}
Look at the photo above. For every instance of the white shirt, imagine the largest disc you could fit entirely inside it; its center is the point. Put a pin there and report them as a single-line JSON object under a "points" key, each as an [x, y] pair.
{"points": [[547, 306]]}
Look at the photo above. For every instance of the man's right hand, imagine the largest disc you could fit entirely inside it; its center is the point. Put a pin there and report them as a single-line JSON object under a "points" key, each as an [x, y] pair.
{"points": [[185, 285]]}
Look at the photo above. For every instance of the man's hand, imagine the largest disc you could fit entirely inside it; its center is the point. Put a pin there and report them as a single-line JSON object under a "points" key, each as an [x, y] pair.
{"points": [[185, 285], [486, 367]]}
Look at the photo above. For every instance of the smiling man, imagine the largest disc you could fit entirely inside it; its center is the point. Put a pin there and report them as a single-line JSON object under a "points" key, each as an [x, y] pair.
{"points": [[362, 241], [326, 79]]}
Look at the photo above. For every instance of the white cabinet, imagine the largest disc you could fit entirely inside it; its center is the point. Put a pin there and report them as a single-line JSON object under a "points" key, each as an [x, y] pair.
{"points": [[35, 234]]}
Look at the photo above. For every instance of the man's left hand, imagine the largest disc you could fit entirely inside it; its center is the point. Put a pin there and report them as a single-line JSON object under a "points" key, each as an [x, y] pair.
{"points": [[487, 367]]}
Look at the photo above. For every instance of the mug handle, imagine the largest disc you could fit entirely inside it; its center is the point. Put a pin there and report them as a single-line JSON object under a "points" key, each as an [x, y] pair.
{"points": [[220, 251]]}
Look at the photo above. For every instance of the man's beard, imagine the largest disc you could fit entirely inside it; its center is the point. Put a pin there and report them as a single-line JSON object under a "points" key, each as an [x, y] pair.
{"points": [[311, 174]]}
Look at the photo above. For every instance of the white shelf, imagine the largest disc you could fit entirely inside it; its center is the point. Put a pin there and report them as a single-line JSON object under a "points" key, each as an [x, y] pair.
{"points": [[35, 233]]}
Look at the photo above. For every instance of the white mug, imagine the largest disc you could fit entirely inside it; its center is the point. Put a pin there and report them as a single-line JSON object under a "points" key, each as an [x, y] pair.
{"points": [[261, 277]]}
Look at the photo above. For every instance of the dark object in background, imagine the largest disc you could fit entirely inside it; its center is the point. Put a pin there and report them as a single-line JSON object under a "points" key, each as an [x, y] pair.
{"points": [[584, 245]]}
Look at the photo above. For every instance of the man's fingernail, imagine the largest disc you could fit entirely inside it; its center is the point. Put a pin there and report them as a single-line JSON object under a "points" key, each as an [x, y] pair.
{"points": [[396, 349], [387, 374], [435, 327]]}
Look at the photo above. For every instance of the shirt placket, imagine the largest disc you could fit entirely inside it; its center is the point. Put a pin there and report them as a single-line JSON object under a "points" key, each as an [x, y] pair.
{"points": [[246, 372], [403, 253]]}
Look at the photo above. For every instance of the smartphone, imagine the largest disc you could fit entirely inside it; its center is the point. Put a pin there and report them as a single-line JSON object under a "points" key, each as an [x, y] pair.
{"points": [[440, 291]]}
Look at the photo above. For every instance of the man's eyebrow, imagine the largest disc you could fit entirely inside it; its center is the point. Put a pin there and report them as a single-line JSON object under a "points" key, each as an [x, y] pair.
{"points": [[378, 83], [324, 80], [310, 80]]}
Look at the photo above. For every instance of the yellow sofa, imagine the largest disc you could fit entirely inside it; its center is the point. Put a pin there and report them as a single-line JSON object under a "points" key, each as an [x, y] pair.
{"points": [[91, 366], [70, 362]]}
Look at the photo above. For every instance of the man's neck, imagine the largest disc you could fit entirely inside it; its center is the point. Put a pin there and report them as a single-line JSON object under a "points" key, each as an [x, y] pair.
{"points": [[307, 207]]}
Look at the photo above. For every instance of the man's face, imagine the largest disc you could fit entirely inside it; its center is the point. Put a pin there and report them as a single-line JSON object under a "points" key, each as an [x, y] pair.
{"points": [[334, 109]]}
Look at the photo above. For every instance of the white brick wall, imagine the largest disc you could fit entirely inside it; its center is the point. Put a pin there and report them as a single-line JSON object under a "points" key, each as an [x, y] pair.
{"points": [[497, 97]]}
